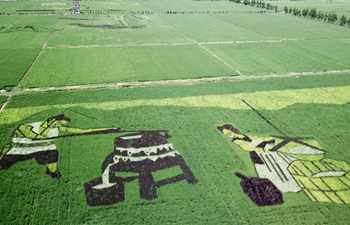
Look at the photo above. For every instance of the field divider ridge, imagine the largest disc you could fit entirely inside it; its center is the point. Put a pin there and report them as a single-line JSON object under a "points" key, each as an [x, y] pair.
{"points": [[215, 56], [29, 69], [10, 94], [139, 84], [160, 44]]}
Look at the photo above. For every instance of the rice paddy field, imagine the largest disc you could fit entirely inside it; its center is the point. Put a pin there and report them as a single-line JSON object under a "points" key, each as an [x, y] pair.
{"points": [[173, 112]]}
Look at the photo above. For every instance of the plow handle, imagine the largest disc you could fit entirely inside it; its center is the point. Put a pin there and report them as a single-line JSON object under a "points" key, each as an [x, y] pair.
{"points": [[94, 132], [105, 131], [240, 175]]}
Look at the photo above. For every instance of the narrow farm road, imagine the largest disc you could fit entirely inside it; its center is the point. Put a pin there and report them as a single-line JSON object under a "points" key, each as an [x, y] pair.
{"points": [[136, 84]]}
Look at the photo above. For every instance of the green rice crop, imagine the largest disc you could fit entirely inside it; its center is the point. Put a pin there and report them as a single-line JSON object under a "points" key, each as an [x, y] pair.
{"points": [[216, 199], [58, 67], [197, 39], [285, 57], [14, 63]]}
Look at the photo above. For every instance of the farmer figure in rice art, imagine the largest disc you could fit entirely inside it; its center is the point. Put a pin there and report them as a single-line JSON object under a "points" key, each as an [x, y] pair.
{"points": [[36, 141], [294, 165]]}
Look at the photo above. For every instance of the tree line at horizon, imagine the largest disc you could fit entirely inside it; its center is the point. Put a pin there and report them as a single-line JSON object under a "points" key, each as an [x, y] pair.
{"points": [[304, 12], [257, 3], [317, 14]]}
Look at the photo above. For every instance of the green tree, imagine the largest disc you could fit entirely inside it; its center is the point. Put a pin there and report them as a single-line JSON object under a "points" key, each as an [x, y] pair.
{"points": [[343, 21], [305, 12], [332, 17], [258, 3], [320, 15], [285, 9], [298, 12], [295, 11], [268, 6], [313, 13], [335, 17], [325, 17]]}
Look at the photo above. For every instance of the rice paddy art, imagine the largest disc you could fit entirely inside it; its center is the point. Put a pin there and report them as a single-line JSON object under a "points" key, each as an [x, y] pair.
{"points": [[142, 154], [189, 112], [290, 164], [35, 140]]}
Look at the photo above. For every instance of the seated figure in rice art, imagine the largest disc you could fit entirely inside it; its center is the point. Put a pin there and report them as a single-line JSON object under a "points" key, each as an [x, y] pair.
{"points": [[294, 164]]}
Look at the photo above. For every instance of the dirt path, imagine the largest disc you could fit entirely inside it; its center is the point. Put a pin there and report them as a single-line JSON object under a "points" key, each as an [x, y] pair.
{"points": [[178, 43], [23, 91]]}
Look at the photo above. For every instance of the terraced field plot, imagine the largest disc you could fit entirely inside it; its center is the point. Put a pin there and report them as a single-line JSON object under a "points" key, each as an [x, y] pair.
{"points": [[172, 112]]}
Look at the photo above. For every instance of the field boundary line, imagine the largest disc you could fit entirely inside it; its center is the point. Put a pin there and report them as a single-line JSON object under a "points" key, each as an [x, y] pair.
{"points": [[29, 69], [121, 45], [161, 44], [138, 84], [215, 56], [25, 74], [210, 52]]}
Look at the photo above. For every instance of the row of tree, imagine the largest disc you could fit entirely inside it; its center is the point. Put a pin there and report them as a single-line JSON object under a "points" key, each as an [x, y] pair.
{"points": [[257, 3], [305, 12], [319, 15]]}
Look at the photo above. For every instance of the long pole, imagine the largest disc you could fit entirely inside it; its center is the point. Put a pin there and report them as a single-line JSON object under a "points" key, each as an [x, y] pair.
{"points": [[264, 118], [286, 138]]}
